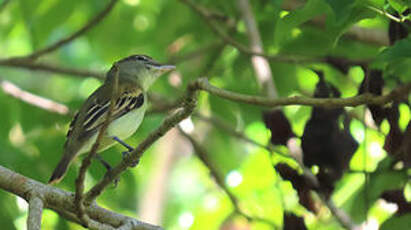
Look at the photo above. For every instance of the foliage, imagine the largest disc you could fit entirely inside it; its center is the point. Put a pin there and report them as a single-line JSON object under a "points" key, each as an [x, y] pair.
{"points": [[31, 139]]}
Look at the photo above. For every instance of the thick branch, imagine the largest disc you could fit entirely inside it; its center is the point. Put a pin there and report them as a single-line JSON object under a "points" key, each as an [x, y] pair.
{"points": [[63, 202], [35, 213], [395, 94]]}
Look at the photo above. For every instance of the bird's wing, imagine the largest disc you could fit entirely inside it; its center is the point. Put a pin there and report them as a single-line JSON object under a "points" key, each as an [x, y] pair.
{"points": [[94, 112]]}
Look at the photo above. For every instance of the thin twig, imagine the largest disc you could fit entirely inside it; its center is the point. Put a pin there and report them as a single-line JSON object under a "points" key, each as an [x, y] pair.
{"points": [[218, 123], [397, 93], [32, 99], [385, 13], [202, 154], [25, 64], [193, 54], [93, 22], [203, 12], [35, 213], [260, 64], [212, 61], [79, 198]]}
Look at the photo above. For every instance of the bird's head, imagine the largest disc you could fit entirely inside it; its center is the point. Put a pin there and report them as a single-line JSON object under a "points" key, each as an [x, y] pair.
{"points": [[139, 69]]}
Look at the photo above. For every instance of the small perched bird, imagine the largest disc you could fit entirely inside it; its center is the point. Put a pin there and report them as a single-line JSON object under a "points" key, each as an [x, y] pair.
{"points": [[135, 75]]}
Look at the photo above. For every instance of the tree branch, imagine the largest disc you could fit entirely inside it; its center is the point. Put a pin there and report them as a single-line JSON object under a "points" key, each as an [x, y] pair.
{"points": [[367, 98], [260, 64], [193, 54], [35, 213], [63, 202], [188, 104], [32, 99], [93, 22], [205, 14], [26, 64], [218, 123], [384, 13]]}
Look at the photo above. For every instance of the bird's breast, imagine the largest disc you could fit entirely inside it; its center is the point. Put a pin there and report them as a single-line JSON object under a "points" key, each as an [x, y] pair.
{"points": [[124, 126]]}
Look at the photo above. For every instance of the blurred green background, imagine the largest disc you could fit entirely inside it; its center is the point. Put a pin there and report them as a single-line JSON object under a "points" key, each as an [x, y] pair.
{"points": [[170, 186]]}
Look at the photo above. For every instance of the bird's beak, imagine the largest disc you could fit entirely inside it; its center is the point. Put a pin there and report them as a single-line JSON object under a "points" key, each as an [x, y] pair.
{"points": [[165, 68]]}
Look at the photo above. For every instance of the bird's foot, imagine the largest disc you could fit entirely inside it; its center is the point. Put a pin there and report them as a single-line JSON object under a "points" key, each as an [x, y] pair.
{"points": [[126, 154]]}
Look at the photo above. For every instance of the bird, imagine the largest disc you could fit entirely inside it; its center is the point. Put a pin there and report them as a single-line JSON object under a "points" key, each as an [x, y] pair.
{"points": [[134, 75]]}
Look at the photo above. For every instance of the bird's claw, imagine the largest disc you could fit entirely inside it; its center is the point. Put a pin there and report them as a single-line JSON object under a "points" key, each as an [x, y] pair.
{"points": [[126, 154]]}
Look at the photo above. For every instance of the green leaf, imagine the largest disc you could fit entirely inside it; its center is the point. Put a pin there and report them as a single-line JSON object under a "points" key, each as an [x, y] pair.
{"points": [[399, 5], [345, 17], [342, 9], [400, 50], [377, 3], [397, 223], [285, 25], [379, 181], [42, 18]]}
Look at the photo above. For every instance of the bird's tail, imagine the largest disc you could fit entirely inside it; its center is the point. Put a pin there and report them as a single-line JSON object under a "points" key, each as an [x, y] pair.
{"points": [[61, 168]]}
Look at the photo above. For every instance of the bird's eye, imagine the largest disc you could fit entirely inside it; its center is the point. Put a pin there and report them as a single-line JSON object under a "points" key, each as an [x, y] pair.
{"points": [[141, 58]]}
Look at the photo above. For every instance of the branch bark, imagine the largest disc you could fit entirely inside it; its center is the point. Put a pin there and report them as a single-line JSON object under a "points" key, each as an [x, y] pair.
{"points": [[46, 67], [63, 202], [35, 213], [367, 98], [260, 64]]}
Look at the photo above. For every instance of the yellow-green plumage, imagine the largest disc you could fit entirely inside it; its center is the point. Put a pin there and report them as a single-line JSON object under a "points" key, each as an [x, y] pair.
{"points": [[136, 74]]}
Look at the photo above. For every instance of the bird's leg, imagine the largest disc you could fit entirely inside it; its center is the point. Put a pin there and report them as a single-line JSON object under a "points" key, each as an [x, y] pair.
{"points": [[123, 143], [125, 153], [107, 166], [103, 162]]}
